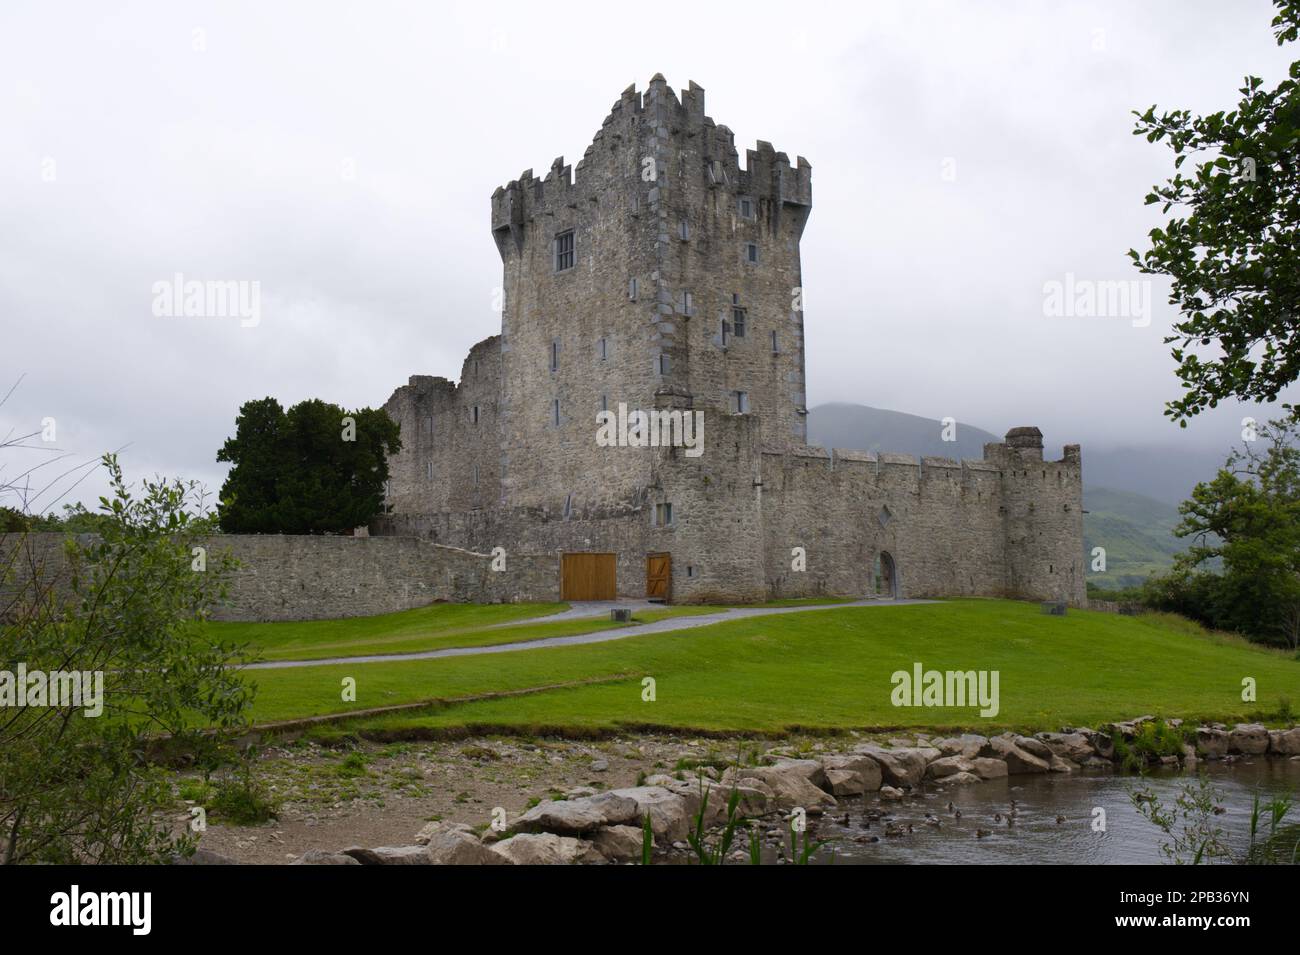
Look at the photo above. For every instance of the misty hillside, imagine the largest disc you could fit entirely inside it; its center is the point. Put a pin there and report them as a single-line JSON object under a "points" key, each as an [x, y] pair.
{"points": [[1130, 496]]}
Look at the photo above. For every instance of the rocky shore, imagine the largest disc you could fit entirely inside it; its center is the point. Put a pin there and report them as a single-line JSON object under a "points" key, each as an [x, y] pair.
{"points": [[587, 825]]}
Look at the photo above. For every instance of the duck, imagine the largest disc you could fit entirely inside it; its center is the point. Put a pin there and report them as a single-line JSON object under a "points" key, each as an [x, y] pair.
{"points": [[956, 813], [981, 833], [950, 805], [997, 817], [932, 822], [1060, 819]]}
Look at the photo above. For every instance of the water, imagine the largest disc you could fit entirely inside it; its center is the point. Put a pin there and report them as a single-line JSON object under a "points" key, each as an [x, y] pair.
{"points": [[1037, 837]]}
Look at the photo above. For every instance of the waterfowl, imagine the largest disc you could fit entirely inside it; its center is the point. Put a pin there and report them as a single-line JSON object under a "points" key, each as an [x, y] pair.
{"points": [[981, 833], [1060, 819]]}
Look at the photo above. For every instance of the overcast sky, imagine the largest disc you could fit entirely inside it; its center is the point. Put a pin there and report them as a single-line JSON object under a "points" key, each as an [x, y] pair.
{"points": [[343, 156]]}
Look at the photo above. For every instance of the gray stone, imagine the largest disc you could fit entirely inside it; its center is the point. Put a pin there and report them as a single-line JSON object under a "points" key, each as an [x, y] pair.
{"points": [[321, 857], [1284, 742], [546, 848], [390, 855], [458, 847], [618, 843], [1249, 739]]}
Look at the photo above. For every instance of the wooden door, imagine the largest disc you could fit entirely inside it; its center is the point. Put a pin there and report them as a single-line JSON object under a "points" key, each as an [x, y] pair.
{"points": [[658, 576], [588, 577]]}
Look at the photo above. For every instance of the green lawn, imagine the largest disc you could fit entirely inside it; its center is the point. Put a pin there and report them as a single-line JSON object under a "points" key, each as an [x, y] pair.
{"points": [[822, 669], [434, 627]]}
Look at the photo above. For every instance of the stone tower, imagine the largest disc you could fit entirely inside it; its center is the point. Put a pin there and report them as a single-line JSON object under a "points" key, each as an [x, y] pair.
{"points": [[655, 273]]}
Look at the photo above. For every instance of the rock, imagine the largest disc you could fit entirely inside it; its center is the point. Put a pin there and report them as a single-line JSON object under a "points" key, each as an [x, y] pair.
{"points": [[843, 782], [669, 812], [868, 769], [578, 792], [1035, 747], [989, 767], [618, 843], [1212, 743], [546, 848], [1102, 743], [809, 769], [959, 779], [321, 857], [1072, 746], [424, 835], [949, 766], [1018, 761], [1250, 739], [660, 779], [968, 745], [599, 765], [390, 855], [1284, 742], [1098, 763], [453, 846], [204, 857], [1059, 764], [890, 793], [575, 816], [899, 767], [790, 788], [1189, 756]]}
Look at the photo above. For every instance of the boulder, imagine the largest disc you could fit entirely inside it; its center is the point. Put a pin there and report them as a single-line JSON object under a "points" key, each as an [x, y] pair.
{"points": [[949, 766], [1059, 764], [1284, 742], [1035, 747], [1250, 739], [321, 857], [868, 769], [546, 848], [670, 816], [899, 767], [1212, 743], [989, 767], [454, 846], [968, 745], [618, 843], [1018, 761], [844, 782], [890, 793], [790, 789], [575, 816], [203, 857], [1072, 746], [809, 769], [390, 855], [428, 832]]}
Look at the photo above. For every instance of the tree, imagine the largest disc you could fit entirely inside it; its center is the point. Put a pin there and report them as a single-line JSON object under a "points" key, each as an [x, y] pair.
{"points": [[1247, 519], [316, 469], [127, 612], [1233, 252]]}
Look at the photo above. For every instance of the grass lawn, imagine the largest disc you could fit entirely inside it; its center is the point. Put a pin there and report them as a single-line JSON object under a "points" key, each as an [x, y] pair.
{"points": [[819, 670], [434, 627]]}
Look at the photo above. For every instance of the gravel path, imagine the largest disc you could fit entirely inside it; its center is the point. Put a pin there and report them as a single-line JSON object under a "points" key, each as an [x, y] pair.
{"points": [[667, 625]]}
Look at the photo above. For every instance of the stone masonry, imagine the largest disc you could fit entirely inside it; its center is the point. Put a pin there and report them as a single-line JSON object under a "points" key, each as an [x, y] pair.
{"points": [[660, 274]]}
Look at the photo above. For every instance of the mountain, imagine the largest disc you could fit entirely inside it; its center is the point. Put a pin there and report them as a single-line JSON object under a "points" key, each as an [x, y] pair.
{"points": [[1130, 494]]}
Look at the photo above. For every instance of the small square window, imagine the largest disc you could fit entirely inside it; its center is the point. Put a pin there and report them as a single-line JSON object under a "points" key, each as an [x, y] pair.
{"points": [[564, 251], [746, 208]]}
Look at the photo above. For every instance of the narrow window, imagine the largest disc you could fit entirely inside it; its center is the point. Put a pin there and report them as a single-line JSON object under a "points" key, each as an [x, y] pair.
{"points": [[428, 470], [602, 349], [564, 251], [555, 412], [664, 364], [604, 402], [428, 424], [663, 515], [738, 321], [726, 332], [688, 303], [751, 252], [690, 570], [476, 368], [631, 289], [474, 414], [683, 230], [746, 208], [555, 356], [568, 505], [740, 402], [775, 349], [476, 475]]}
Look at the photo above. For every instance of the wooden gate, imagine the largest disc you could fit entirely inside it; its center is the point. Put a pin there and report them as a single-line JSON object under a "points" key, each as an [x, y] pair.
{"points": [[588, 577], [658, 576]]}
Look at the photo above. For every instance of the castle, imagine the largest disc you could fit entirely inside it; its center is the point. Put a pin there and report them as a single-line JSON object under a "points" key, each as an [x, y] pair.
{"points": [[660, 277]]}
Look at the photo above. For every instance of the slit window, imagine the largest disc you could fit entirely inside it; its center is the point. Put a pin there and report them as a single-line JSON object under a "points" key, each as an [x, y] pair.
{"points": [[740, 402]]}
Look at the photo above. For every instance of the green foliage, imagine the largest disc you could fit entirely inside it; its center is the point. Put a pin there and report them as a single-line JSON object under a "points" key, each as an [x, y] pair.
{"points": [[707, 853], [76, 787], [1247, 519], [353, 764], [241, 799], [305, 471], [647, 840], [1232, 251], [1196, 838]]}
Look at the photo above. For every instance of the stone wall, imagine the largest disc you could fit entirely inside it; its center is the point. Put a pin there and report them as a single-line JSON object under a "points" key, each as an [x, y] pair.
{"points": [[318, 577]]}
